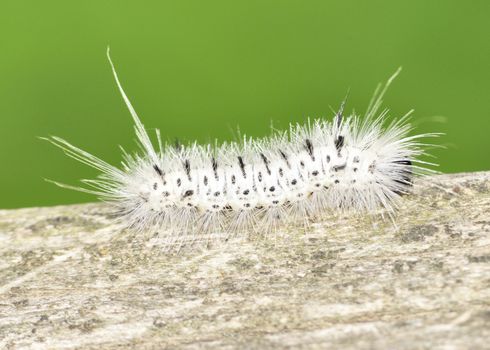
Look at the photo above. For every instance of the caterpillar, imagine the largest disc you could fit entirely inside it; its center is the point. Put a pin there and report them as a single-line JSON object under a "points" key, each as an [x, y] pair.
{"points": [[253, 185]]}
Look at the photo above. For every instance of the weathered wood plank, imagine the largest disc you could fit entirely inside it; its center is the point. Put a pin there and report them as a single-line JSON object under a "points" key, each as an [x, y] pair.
{"points": [[70, 279]]}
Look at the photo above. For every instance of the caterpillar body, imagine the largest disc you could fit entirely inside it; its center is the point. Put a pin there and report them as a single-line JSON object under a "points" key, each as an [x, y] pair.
{"points": [[257, 185]]}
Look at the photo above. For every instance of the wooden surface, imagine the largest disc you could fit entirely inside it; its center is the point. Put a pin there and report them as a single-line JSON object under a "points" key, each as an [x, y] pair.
{"points": [[69, 278]]}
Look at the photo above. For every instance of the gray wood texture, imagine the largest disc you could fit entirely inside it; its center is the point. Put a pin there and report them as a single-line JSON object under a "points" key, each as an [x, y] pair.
{"points": [[71, 279]]}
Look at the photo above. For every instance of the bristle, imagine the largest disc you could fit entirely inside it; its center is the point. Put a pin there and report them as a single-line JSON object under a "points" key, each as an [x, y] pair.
{"points": [[259, 185]]}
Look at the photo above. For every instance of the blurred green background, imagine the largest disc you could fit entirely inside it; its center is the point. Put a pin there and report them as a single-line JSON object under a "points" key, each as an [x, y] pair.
{"points": [[199, 69]]}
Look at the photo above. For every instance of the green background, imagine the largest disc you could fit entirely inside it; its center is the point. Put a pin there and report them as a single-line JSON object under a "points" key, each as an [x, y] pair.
{"points": [[199, 69]]}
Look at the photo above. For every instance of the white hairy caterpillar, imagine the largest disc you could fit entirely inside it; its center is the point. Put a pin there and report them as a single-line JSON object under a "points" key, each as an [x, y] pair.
{"points": [[257, 185]]}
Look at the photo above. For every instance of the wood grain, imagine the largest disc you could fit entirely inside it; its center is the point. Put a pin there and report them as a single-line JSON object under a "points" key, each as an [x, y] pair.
{"points": [[71, 279]]}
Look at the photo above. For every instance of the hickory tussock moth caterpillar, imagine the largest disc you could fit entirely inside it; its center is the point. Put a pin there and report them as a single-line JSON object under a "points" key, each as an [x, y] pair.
{"points": [[255, 185]]}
